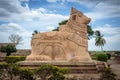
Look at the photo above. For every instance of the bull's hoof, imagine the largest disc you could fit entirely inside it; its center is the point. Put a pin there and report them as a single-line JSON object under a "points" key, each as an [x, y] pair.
{"points": [[38, 58], [75, 58]]}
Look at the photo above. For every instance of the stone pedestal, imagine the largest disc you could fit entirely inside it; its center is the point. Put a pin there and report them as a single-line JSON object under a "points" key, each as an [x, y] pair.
{"points": [[75, 67]]}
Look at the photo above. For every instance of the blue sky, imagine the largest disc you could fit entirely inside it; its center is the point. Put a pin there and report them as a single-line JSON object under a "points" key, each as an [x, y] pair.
{"points": [[24, 16]]}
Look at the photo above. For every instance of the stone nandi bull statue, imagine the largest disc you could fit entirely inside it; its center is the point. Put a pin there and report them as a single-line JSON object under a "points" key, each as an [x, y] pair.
{"points": [[68, 44]]}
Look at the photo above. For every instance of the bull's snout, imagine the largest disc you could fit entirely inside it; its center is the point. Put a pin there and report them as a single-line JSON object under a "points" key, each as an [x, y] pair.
{"points": [[88, 20]]}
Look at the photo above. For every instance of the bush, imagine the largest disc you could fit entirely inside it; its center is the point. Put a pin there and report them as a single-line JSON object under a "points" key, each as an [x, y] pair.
{"points": [[51, 72], [8, 49], [45, 72], [8, 71], [15, 72], [94, 56], [109, 55], [3, 65], [102, 56], [14, 59], [26, 74], [107, 74]]}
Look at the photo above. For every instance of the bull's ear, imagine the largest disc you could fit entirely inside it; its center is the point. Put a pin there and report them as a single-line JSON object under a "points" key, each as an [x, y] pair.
{"points": [[73, 10], [80, 14]]}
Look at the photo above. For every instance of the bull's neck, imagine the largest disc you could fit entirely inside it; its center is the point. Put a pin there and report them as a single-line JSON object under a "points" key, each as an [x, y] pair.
{"points": [[73, 25]]}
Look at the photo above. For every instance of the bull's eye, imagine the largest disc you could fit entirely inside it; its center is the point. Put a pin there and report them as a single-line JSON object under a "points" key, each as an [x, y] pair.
{"points": [[74, 17], [79, 15]]}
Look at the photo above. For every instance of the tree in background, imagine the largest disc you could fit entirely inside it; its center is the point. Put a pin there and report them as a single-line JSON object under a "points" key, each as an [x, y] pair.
{"points": [[57, 29], [89, 29], [99, 40], [90, 32], [35, 32], [8, 49], [63, 22], [15, 39]]}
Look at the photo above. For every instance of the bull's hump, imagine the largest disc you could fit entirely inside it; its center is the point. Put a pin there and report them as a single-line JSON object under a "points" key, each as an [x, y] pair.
{"points": [[52, 33]]}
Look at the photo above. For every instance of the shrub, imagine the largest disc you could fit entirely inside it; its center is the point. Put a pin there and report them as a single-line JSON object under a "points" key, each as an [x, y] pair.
{"points": [[14, 59], [51, 72], [109, 55], [94, 56], [15, 72], [3, 65], [102, 56], [8, 49], [26, 74], [8, 71], [107, 74]]}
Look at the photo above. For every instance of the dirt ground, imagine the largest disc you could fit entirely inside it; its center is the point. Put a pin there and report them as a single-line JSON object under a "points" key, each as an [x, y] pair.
{"points": [[115, 68]]}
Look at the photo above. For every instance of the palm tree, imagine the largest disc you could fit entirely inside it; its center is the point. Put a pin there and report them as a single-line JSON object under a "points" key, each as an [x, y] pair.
{"points": [[99, 41], [90, 32]]}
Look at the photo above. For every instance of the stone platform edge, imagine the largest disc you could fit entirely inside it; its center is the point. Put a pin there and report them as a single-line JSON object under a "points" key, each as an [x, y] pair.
{"points": [[75, 67], [55, 63]]}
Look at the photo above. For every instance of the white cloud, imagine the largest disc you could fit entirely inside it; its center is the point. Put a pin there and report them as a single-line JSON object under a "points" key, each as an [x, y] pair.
{"points": [[105, 9], [111, 35], [91, 3], [108, 29], [26, 44], [12, 16], [59, 1], [100, 9], [110, 10], [35, 19], [52, 0], [39, 19], [94, 15], [24, 0], [49, 28], [113, 39], [10, 7], [15, 12], [42, 14], [12, 28], [91, 45], [112, 43]]}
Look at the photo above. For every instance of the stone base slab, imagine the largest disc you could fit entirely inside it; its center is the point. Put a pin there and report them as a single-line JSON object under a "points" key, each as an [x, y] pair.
{"points": [[75, 67]]}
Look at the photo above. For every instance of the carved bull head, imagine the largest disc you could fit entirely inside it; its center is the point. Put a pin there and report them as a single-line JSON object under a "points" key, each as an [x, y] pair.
{"points": [[79, 17]]}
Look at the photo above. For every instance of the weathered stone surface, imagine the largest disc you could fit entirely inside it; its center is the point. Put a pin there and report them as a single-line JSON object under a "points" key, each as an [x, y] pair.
{"points": [[70, 43]]}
